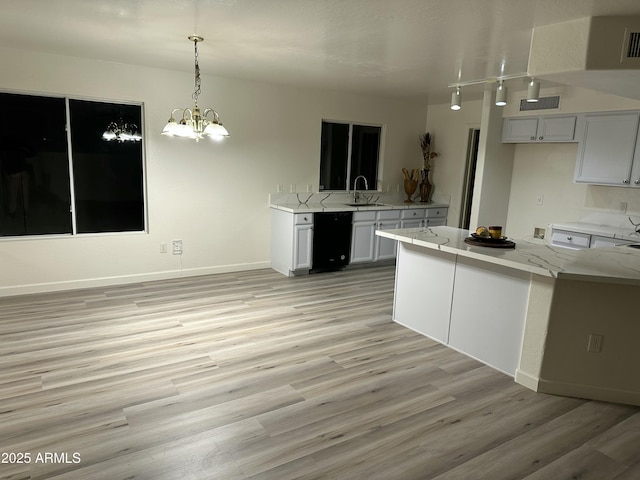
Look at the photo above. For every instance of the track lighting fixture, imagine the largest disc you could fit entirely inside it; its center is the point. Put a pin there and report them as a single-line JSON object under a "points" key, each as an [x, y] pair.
{"points": [[533, 90], [501, 95], [455, 99]]}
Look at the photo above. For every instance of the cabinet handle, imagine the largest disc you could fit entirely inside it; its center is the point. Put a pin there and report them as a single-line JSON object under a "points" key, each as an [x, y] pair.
{"points": [[569, 238], [306, 219], [637, 181], [625, 181], [540, 138], [532, 138]]}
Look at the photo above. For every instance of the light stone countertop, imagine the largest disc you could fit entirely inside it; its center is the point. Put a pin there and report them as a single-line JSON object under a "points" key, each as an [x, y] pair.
{"points": [[619, 264], [343, 207]]}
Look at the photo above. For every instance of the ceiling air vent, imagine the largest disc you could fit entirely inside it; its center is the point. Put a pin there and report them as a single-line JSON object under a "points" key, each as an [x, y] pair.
{"points": [[543, 103], [631, 48]]}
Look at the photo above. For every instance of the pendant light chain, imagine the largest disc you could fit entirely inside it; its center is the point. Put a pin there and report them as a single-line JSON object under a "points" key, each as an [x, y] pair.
{"points": [[196, 91]]}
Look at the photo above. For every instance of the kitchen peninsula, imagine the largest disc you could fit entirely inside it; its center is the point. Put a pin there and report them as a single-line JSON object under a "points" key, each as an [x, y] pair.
{"points": [[560, 321]]}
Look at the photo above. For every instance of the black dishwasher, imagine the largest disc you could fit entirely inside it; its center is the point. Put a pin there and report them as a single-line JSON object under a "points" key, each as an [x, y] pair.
{"points": [[331, 240]]}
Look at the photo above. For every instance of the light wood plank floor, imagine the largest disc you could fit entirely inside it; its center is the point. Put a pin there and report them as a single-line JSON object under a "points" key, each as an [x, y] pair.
{"points": [[255, 375]]}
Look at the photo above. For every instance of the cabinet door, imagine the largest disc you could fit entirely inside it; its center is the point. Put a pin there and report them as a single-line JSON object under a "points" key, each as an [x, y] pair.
{"points": [[302, 246], [557, 129], [520, 130], [605, 156], [539, 129], [363, 241], [386, 247]]}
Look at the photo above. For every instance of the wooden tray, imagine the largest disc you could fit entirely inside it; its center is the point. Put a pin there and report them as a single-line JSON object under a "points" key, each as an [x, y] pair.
{"points": [[490, 242]]}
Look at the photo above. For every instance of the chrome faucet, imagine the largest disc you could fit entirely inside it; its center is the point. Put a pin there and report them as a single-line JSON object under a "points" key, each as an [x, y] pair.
{"points": [[356, 194]]}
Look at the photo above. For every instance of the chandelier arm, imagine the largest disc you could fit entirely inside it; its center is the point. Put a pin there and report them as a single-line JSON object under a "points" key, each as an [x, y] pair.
{"points": [[216, 117]]}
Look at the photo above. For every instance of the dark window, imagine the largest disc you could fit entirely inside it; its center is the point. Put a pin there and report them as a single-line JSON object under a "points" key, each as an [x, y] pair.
{"points": [[36, 190], [107, 176], [348, 151]]}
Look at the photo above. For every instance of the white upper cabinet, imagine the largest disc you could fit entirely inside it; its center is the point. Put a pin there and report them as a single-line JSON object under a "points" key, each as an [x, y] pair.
{"points": [[555, 128], [609, 151]]}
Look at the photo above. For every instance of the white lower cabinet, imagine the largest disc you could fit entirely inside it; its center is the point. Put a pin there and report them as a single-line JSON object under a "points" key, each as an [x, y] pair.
{"points": [[385, 247], [363, 237], [413, 218], [580, 240], [436, 217], [291, 242], [292, 235]]}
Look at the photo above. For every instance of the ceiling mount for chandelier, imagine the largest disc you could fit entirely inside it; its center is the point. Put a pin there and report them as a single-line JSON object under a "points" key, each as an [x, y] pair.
{"points": [[194, 123]]}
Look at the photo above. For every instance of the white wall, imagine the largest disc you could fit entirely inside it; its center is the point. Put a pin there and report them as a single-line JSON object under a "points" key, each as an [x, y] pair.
{"points": [[212, 196], [450, 131]]}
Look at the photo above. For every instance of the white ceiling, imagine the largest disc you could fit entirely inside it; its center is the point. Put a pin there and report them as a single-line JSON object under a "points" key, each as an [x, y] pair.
{"points": [[399, 47]]}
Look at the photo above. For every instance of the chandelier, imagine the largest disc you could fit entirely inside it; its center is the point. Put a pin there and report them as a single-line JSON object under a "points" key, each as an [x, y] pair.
{"points": [[121, 132], [194, 123]]}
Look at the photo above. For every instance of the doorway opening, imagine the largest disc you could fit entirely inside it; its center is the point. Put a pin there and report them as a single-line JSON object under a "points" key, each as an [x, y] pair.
{"points": [[469, 177]]}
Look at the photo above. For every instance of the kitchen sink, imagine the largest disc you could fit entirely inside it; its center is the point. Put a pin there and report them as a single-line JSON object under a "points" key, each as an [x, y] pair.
{"points": [[366, 204]]}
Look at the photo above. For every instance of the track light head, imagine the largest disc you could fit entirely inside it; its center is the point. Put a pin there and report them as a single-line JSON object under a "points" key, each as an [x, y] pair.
{"points": [[501, 95], [455, 99], [533, 91]]}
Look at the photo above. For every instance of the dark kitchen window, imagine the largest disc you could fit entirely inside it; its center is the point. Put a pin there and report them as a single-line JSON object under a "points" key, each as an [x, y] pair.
{"points": [[347, 151], [51, 186]]}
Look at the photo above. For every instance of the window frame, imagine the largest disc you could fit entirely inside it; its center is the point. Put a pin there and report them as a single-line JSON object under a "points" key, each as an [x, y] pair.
{"points": [[71, 179]]}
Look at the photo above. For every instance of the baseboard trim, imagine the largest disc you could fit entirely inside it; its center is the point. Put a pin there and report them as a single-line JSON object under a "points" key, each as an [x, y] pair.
{"points": [[578, 390], [50, 287], [527, 380]]}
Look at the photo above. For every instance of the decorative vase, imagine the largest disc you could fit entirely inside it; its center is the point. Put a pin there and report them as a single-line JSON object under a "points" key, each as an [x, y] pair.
{"points": [[426, 187], [410, 187]]}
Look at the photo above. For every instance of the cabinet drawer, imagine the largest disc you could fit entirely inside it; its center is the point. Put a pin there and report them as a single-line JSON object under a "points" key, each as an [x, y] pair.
{"points": [[369, 216], [436, 212], [303, 219], [388, 214], [413, 213], [436, 222], [562, 238], [598, 241]]}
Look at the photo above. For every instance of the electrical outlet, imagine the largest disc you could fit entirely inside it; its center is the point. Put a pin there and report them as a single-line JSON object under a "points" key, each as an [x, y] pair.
{"points": [[177, 247], [538, 233], [595, 343], [163, 248], [539, 200], [279, 188], [292, 188], [309, 187]]}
